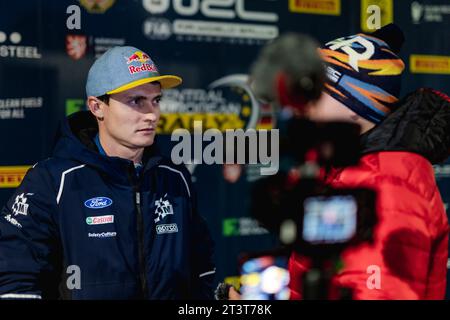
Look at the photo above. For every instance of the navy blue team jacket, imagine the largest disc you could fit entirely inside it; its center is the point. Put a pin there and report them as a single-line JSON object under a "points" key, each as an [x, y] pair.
{"points": [[85, 226]]}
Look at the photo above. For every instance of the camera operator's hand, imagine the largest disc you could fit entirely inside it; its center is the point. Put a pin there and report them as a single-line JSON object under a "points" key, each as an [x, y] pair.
{"points": [[233, 294], [226, 291]]}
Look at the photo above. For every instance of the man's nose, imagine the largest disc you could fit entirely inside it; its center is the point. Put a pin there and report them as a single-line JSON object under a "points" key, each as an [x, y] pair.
{"points": [[151, 116]]}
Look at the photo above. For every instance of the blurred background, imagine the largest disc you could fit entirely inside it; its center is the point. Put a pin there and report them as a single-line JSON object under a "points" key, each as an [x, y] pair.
{"points": [[48, 46]]}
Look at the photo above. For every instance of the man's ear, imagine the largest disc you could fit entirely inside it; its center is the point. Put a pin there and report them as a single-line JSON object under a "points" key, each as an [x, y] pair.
{"points": [[96, 107]]}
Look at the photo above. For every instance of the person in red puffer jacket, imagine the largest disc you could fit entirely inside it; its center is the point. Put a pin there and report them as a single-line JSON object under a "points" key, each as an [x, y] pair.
{"points": [[400, 141]]}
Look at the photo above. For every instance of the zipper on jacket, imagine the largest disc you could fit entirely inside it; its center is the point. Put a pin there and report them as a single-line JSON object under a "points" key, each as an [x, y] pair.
{"points": [[136, 183], [141, 245]]}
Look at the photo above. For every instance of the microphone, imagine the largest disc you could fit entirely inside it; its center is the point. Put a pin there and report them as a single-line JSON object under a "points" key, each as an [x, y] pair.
{"points": [[296, 57]]}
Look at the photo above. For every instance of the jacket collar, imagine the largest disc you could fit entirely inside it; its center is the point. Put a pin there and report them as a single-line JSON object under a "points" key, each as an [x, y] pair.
{"points": [[76, 142]]}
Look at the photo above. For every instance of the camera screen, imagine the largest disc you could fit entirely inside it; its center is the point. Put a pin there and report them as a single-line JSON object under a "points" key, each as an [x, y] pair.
{"points": [[265, 278], [329, 220]]}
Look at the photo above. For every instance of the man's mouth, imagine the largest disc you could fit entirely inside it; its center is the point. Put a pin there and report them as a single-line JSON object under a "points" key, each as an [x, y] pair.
{"points": [[146, 130]]}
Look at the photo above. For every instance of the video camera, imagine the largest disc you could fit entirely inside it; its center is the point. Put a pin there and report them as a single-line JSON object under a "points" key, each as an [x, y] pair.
{"points": [[310, 217], [297, 200]]}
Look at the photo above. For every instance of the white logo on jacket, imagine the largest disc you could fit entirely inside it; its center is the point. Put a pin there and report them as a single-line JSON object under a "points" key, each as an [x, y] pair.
{"points": [[20, 205], [166, 228], [163, 208], [13, 221]]}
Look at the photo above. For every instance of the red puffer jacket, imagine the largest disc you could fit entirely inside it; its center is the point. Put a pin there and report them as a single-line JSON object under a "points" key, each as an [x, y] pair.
{"points": [[410, 246]]}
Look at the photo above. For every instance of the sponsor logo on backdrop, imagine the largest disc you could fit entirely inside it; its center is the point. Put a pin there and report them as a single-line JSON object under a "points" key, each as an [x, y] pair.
{"points": [[326, 7], [422, 13], [10, 47], [12, 176], [228, 103], [442, 171], [97, 6], [376, 12], [181, 107], [102, 44], [229, 21], [235, 227], [75, 105], [157, 28], [253, 172], [14, 108], [76, 46], [429, 64]]}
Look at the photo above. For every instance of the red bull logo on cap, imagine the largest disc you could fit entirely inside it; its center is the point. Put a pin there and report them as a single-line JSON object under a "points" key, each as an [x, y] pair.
{"points": [[143, 68], [138, 56], [142, 58]]}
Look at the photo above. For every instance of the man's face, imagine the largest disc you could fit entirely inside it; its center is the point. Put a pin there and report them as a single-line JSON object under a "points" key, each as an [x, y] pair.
{"points": [[132, 116], [329, 109]]}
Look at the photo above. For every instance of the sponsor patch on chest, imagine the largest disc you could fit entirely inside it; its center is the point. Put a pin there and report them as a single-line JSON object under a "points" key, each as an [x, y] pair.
{"points": [[100, 220]]}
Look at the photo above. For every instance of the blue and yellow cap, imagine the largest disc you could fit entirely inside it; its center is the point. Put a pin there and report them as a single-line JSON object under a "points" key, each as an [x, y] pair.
{"points": [[123, 68]]}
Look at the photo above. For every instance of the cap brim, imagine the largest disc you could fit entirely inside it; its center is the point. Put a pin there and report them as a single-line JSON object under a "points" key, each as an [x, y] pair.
{"points": [[167, 82]]}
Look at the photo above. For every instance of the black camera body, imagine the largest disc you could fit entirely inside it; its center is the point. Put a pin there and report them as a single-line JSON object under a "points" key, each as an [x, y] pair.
{"points": [[312, 218], [309, 216]]}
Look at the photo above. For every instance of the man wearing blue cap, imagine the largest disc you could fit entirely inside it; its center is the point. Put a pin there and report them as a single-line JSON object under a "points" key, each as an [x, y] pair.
{"points": [[106, 211]]}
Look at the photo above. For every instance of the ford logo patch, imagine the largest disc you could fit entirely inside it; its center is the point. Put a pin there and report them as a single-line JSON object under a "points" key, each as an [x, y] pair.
{"points": [[98, 203]]}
